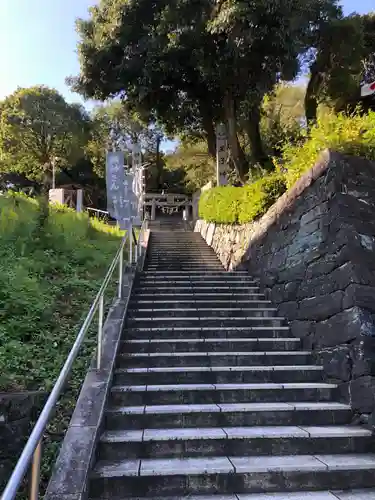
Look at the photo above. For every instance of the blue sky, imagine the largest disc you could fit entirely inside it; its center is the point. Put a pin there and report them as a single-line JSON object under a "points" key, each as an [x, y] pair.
{"points": [[38, 41]]}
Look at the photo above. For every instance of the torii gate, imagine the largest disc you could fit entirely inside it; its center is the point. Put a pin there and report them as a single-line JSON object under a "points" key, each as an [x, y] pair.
{"points": [[168, 203]]}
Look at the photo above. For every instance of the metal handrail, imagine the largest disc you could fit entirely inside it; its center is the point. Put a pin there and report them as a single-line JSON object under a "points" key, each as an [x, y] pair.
{"points": [[97, 210], [141, 241], [32, 451]]}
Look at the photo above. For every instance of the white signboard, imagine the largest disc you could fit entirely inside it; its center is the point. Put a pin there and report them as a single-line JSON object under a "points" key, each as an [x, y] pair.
{"points": [[368, 89], [221, 155]]}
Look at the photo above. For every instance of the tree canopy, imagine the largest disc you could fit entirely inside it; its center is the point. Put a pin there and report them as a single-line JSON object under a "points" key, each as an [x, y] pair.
{"points": [[192, 64], [37, 128], [344, 60]]}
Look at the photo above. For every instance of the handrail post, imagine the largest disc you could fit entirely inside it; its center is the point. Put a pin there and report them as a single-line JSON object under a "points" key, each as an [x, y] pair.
{"points": [[35, 472], [100, 332], [135, 245], [120, 273], [130, 249]]}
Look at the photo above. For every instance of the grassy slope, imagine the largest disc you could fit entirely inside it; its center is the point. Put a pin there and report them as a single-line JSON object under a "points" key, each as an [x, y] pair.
{"points": [[48, 280]]}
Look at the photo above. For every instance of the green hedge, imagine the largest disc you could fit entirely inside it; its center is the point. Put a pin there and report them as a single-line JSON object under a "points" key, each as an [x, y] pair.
{"points": [[351, 135], [232, 205]]}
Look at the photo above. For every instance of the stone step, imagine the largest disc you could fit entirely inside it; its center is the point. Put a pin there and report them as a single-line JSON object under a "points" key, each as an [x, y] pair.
{"points": [[186, 263], [134, 395], [179, 250], [140, 303], [181, 255], [168, 261], [209, 344], [227, 414], [218, 375], [212, 321], [208, 282], [367, 494], [234, 441], [183, 244], [208, 332], [193, 295], [200, 287], [197, 259], [185, 266], [191, 476], [212, 358], [185, 312], [181, 241], [195, 273], [178, 239]]}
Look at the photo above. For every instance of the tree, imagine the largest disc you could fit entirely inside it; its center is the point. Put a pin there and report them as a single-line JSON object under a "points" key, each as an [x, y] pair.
{"points": [[193, 160], [263, 44], [115, 126], [38, 129], [283, 117], [192, 64], [344, 58]]}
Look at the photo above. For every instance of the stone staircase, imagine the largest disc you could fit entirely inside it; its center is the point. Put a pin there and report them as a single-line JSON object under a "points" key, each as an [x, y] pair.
{"points": [[212, 397]]}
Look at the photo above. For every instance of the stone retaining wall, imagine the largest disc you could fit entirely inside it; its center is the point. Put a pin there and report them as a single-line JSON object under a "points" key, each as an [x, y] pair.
{"points": [[17, 412], [313, 252]]}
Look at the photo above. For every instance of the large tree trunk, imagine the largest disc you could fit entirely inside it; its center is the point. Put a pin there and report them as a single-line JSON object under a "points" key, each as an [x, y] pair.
{"points": [[255, 138], [318, 69], [208, 126], [238, 156], [311, 103], [158, 164], [43, 199]]}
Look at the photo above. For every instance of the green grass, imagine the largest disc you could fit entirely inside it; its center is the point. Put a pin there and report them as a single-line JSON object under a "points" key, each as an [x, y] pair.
{"points": [[48, 280]]}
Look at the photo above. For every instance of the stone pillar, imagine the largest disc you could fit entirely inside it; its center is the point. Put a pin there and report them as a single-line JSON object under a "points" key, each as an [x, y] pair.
{"points": [[153, 210], [57, 196], [187, 212], [79, 205]]}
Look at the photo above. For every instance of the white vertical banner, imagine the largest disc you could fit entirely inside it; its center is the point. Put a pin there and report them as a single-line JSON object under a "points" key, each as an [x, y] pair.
{"points": [[115, 183], [221, 155], [138, 175], [121, 201]]}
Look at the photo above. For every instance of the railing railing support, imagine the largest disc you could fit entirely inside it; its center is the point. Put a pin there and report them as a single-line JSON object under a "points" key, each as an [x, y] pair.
{"points": [[100, 332], [35, 472], [120, 274], [130, 250]]}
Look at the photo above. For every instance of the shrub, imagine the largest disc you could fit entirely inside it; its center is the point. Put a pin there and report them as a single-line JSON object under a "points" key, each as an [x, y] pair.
{"points": [[231, 205], [352, 135], [220, 204], [258, 197]]}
